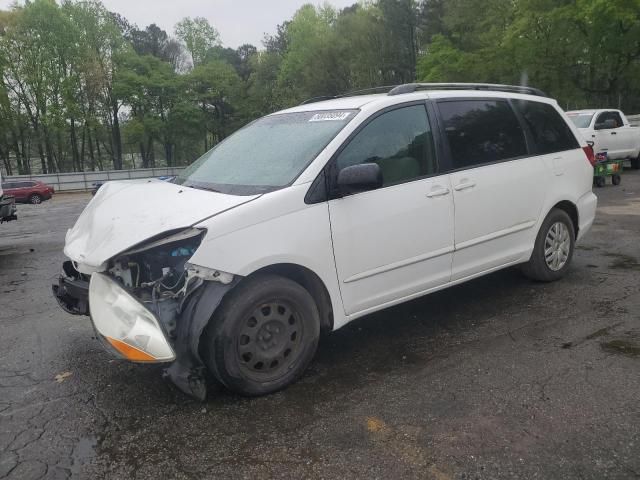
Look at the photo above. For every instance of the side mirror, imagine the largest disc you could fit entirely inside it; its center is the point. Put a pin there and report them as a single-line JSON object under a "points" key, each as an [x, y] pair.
{"points": [[606, 125], [359, 178]]}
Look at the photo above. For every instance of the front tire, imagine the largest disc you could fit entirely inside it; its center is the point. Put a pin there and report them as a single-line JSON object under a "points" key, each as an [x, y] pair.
{"points": [[635, 163], [263, 336], [553, 249]]}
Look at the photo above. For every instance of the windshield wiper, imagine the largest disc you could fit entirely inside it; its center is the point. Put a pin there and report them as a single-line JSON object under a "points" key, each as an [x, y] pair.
{"points": [[200, 187]]}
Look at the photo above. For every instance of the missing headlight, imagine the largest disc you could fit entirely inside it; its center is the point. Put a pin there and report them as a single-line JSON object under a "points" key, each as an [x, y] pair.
{"points": [[155, 273]]}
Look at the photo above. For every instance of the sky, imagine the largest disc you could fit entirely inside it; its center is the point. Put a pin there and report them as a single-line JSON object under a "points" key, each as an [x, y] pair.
{"points": [[238, 21]]}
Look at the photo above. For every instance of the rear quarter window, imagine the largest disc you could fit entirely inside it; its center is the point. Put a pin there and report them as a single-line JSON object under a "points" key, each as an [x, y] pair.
{"points": [[549, 130]]}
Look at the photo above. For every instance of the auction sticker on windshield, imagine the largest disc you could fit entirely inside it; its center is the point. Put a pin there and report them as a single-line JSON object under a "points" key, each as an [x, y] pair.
{"points": [[330, 116]]}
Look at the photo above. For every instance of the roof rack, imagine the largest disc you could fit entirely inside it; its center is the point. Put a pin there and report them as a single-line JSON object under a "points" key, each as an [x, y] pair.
{"points": [[365, 91], [413, 87]]}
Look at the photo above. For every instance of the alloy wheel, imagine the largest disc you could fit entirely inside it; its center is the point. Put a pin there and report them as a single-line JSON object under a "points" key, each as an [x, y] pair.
{"points": [[557, 245]]}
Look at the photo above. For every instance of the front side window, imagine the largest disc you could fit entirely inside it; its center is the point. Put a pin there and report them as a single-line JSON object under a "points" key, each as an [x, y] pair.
{"points": [[481, 131], [399, 141], [615, 121], [266, 155], [549, 130]]}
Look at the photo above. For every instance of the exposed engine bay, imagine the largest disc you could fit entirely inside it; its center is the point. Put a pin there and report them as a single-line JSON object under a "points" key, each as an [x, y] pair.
{"points": [[182, 298], [157, 274]]}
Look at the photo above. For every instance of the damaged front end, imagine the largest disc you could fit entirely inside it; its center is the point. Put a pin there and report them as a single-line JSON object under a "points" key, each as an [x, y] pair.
{"points": [[149, 304]]}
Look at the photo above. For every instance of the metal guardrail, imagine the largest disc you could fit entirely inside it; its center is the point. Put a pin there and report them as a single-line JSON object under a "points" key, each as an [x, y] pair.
{"points": [[83, 181]]}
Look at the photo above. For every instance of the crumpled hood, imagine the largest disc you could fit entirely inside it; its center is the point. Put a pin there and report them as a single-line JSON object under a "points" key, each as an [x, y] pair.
{"points": [[125, 213]]}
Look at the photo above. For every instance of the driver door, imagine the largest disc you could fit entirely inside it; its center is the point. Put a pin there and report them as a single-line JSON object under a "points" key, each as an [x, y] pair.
{"points": [[609, 139], [394, 242]]}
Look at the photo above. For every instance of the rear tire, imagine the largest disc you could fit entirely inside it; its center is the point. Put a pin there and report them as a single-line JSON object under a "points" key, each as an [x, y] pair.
{"points": [[263, 336], [35, 199], [635, 163], [553, 250], [616, 179], [600, 182]]}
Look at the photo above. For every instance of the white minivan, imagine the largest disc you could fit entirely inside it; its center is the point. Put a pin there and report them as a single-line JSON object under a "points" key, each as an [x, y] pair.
{"points": [[314, 216]]}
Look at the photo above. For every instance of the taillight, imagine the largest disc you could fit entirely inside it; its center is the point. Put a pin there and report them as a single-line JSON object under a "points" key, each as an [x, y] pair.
{"points": [[588, 151]]}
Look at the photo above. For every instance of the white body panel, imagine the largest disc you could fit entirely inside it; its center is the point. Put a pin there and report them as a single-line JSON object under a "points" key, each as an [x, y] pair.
{"points": [[497, 209], [392, 242], [279, 229], [371, 250]]}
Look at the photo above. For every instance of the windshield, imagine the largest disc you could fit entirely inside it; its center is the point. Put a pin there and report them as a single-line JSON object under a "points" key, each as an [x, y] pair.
{"points": [[581, 120], [267, 154]]}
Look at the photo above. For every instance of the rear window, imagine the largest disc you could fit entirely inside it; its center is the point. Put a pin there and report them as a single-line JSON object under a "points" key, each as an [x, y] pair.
{"points": [[481, 131], [549, 130]]}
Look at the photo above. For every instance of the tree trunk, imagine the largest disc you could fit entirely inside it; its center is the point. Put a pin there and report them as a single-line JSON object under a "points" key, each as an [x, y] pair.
{"points": [[117, 140], [143, 154], [168, 153], [4, 154], [151, 153], [82, 145], [75, 156], [92, 158], [16, 149], [43, 158], [100, 165]]}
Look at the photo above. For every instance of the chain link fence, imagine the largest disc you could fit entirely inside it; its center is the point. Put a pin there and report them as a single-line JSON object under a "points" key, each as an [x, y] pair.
{"points": [[83, 181]]}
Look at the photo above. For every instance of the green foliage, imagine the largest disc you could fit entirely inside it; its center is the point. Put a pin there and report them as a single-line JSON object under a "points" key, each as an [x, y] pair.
{"points": [[83, 89], [198, 35], [582, 52]]}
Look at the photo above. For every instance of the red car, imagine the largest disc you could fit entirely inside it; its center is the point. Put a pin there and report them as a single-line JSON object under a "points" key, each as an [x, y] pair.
{"points": [[28, 191]]}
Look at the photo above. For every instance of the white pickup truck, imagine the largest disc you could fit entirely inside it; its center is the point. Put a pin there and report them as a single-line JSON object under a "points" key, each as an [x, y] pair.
{"points": [[611, 132]]}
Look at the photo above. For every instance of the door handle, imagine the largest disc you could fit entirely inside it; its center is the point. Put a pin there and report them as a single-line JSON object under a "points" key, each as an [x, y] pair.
{"points": [[464, 186], [614, 133], [439, 192]]}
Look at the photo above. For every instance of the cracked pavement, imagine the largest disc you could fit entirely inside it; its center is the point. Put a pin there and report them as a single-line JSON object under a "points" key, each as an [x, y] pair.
{"points": [[496, 378]]}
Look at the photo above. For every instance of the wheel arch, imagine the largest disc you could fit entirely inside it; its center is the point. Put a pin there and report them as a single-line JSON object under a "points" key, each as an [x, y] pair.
{"points": [[572, 210], [311, 282]]}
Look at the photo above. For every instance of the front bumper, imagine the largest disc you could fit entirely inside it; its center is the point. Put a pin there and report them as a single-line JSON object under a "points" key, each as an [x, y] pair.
{"points": [[78, 295], [7, 209], [123, 324], [72, 291]]}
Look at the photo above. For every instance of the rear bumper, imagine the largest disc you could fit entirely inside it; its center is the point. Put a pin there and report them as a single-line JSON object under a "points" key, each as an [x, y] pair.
{"points": [[586, 205]]}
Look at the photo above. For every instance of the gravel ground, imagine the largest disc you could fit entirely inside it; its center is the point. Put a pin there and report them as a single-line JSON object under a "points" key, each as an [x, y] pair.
{"points": [[497, 378]]}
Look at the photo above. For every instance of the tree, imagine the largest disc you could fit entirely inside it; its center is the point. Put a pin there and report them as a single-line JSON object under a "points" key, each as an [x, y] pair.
{"points": [[215, 87], [198, 36]]}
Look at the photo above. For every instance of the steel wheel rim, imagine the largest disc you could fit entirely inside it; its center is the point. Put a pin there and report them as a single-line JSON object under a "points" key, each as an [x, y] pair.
{"points": [[557, 245], [269, 341]]}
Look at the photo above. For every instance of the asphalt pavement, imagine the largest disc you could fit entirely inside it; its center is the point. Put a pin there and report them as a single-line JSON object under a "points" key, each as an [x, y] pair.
{"points": [[497, 378]]}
